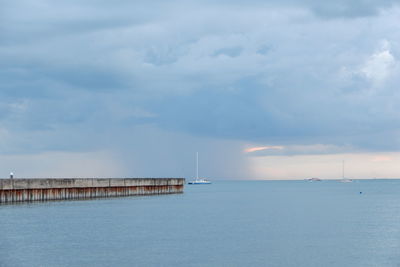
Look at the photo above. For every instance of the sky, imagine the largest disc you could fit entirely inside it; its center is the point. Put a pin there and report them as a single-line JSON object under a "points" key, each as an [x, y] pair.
{"points": [[261, 89]]}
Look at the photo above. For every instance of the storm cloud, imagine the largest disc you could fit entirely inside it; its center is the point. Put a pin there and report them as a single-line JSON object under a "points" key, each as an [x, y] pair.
{"points": [[151, 83]]}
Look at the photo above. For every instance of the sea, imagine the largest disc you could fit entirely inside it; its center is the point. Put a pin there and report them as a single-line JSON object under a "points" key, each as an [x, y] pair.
{"points": [[227, 223]]}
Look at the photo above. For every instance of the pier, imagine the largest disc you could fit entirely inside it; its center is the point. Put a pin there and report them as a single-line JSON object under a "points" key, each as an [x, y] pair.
{"points": [[43, 189]]}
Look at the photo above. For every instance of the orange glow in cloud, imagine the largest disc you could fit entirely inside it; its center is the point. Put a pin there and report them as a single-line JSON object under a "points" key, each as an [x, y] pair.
{"points": [[259, 148], [382, 158]]}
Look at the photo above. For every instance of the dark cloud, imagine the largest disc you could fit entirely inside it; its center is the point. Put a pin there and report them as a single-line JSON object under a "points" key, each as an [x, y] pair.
{"points": [[331, 9], [94, 74], [359, 8], [229, 51]]}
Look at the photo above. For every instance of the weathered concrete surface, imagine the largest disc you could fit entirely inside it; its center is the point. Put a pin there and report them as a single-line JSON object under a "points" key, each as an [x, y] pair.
{"points": [[18, 190]]}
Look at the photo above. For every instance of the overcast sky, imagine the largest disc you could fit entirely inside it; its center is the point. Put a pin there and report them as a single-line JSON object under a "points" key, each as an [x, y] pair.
{"points": [[262, 89]]}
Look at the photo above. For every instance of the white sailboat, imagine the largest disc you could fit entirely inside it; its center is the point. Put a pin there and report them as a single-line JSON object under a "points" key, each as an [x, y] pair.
{"points": [[199, 180], [344, 180]]}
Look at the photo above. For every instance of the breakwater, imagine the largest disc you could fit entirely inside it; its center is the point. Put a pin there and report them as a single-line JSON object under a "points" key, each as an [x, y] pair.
{"points": [[20, 190]]}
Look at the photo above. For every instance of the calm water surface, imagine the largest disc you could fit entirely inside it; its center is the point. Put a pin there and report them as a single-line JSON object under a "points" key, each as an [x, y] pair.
{"points": [[242, 223]]}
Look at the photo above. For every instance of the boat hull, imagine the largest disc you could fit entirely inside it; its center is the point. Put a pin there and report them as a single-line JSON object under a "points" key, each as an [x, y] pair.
{"points": [[199, 182]]}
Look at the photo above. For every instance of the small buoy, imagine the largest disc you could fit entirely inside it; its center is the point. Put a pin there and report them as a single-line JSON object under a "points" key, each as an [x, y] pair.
{"points": [[360, 192]]}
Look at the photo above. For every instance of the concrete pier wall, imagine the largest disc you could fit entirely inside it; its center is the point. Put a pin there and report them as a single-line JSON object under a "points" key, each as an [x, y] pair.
{"points": [[19, 190]]}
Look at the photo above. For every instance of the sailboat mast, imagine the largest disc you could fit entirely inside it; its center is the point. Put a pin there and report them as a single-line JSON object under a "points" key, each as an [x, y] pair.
{"points": [[343, 169], [197, 165]]}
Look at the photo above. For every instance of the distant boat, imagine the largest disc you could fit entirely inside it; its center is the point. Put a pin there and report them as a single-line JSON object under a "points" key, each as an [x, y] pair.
{"points": [[345, 180], [314, 179], [198, 180]]}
